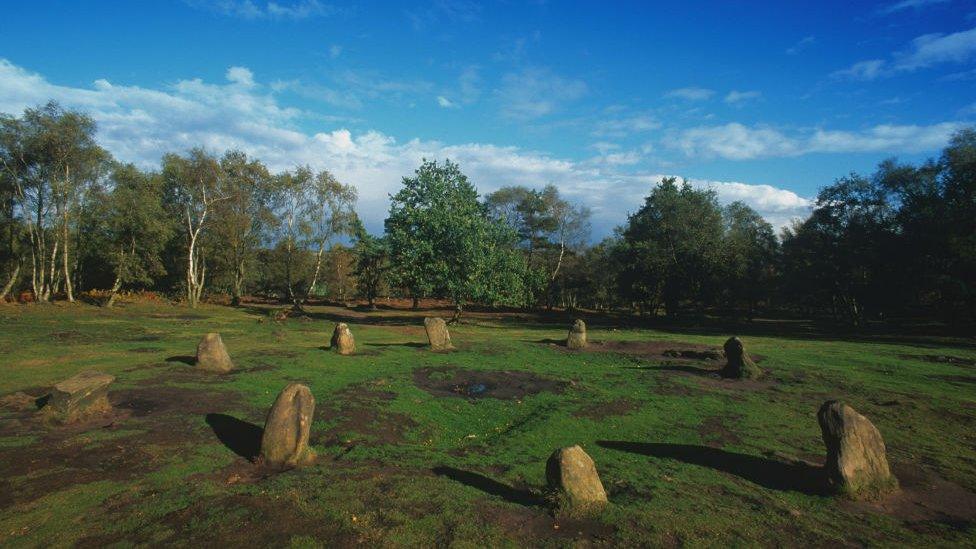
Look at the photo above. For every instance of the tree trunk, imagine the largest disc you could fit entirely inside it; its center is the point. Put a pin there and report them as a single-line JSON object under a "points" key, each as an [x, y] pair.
{"points": [[10, 283], [238, 289], [65, 260], [315, 275], [416, 303], [456, 319], [115, 290]]}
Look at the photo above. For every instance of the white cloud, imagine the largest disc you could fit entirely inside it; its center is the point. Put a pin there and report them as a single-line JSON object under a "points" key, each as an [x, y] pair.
{"points": [[536, 92], [690, 94], [446, 103], [803, 44], [250, 9], [623, 127], [335, 50], [909, 4], [139, 125], [862, 70], [735, 141], [924, 51], [735, 97]]}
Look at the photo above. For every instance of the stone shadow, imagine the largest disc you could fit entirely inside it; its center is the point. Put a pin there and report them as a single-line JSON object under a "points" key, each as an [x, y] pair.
{"points": [[491, 486], [768, 473], [241, 437]]}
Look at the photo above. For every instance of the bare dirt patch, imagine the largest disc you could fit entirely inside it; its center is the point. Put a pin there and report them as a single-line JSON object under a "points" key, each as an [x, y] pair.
{"points": [[361, 410], [451, 381], [600, 410], [714, 433], [925, 501]]}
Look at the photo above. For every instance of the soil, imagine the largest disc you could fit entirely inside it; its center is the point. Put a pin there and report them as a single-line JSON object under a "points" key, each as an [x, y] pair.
{"points": [[714, 433], [451, 381], [600, 410], [925, 501], [361, 409]]}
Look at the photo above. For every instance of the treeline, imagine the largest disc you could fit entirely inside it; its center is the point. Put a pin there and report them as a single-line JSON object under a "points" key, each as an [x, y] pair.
{"points": [[898, 243]]}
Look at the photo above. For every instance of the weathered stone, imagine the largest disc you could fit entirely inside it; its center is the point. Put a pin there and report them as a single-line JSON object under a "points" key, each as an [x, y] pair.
{"points": [[437, 334], [82, 396], [739, 365], [856, 462], [285, 439], [571, 475], [212, 355], [342, 340], [577, 335]]}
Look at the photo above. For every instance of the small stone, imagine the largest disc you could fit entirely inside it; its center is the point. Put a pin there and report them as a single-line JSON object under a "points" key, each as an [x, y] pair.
{"points": [[577, 335], [212, 355], [437, 334], [857, 465], [82, 396], [286, 431], [572, 475], [739, 365], [342, 341]]}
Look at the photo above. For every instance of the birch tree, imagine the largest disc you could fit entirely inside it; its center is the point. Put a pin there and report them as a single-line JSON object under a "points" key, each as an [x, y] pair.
{"points": [[192, 186]]}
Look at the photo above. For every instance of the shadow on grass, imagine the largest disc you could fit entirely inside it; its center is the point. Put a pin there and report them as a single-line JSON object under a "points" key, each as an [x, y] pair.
{"points": [[679, 368], [768, 473], [547, 341], [241, 437], [412, 344], [490, 486], [185, 359]]}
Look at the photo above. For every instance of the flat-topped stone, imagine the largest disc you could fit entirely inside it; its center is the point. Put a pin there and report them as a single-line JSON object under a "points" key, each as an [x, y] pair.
{"points": [[79, 397], [286, 431], [342, 341], [577, 335], [212, 354], [437, 334]]}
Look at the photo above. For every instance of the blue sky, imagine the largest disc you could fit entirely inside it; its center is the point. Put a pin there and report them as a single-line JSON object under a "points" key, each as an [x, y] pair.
{"points": [[764, 102]]}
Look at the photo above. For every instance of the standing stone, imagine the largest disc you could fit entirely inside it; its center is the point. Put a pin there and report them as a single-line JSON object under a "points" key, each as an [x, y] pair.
{"points": [[285, 439], [342, 340], [437, 334], [739, 365], [572, 475], [856, 462], [577, 335], [80, 397], [212, 355]]}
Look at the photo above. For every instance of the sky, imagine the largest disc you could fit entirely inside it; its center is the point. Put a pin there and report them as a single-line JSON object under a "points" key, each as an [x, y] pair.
{"points": [[764, 102]]}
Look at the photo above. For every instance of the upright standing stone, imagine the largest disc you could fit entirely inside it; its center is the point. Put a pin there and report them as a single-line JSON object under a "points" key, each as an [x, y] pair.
{"points": [[572, 475], [577, 335], [342, 340], [79, 397], [437, 334], [212, 355], [739, 365], [285, 439], [856, 462]]}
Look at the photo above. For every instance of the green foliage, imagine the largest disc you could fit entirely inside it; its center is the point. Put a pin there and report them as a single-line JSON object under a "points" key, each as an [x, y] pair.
{"points": [[442, 242], [372, 262]]}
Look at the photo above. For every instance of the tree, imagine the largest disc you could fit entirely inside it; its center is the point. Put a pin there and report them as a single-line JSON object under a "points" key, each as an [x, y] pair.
{"points": [[371, 264], [749, 251], [48, 157], [315, 209], [192, 187], [137, 227], [443, 242], [670, 248], [244, 218], [547, 225]]}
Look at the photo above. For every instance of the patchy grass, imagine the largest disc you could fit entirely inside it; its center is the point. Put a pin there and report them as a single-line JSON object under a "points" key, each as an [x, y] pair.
{"points": [[420, 448]]}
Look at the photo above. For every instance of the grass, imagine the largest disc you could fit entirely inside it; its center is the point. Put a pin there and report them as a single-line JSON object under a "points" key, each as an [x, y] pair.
{"points": [[686, 459]]}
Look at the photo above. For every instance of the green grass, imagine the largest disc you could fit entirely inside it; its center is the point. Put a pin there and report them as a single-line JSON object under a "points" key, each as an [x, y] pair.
{"points": [[165, 477]]}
